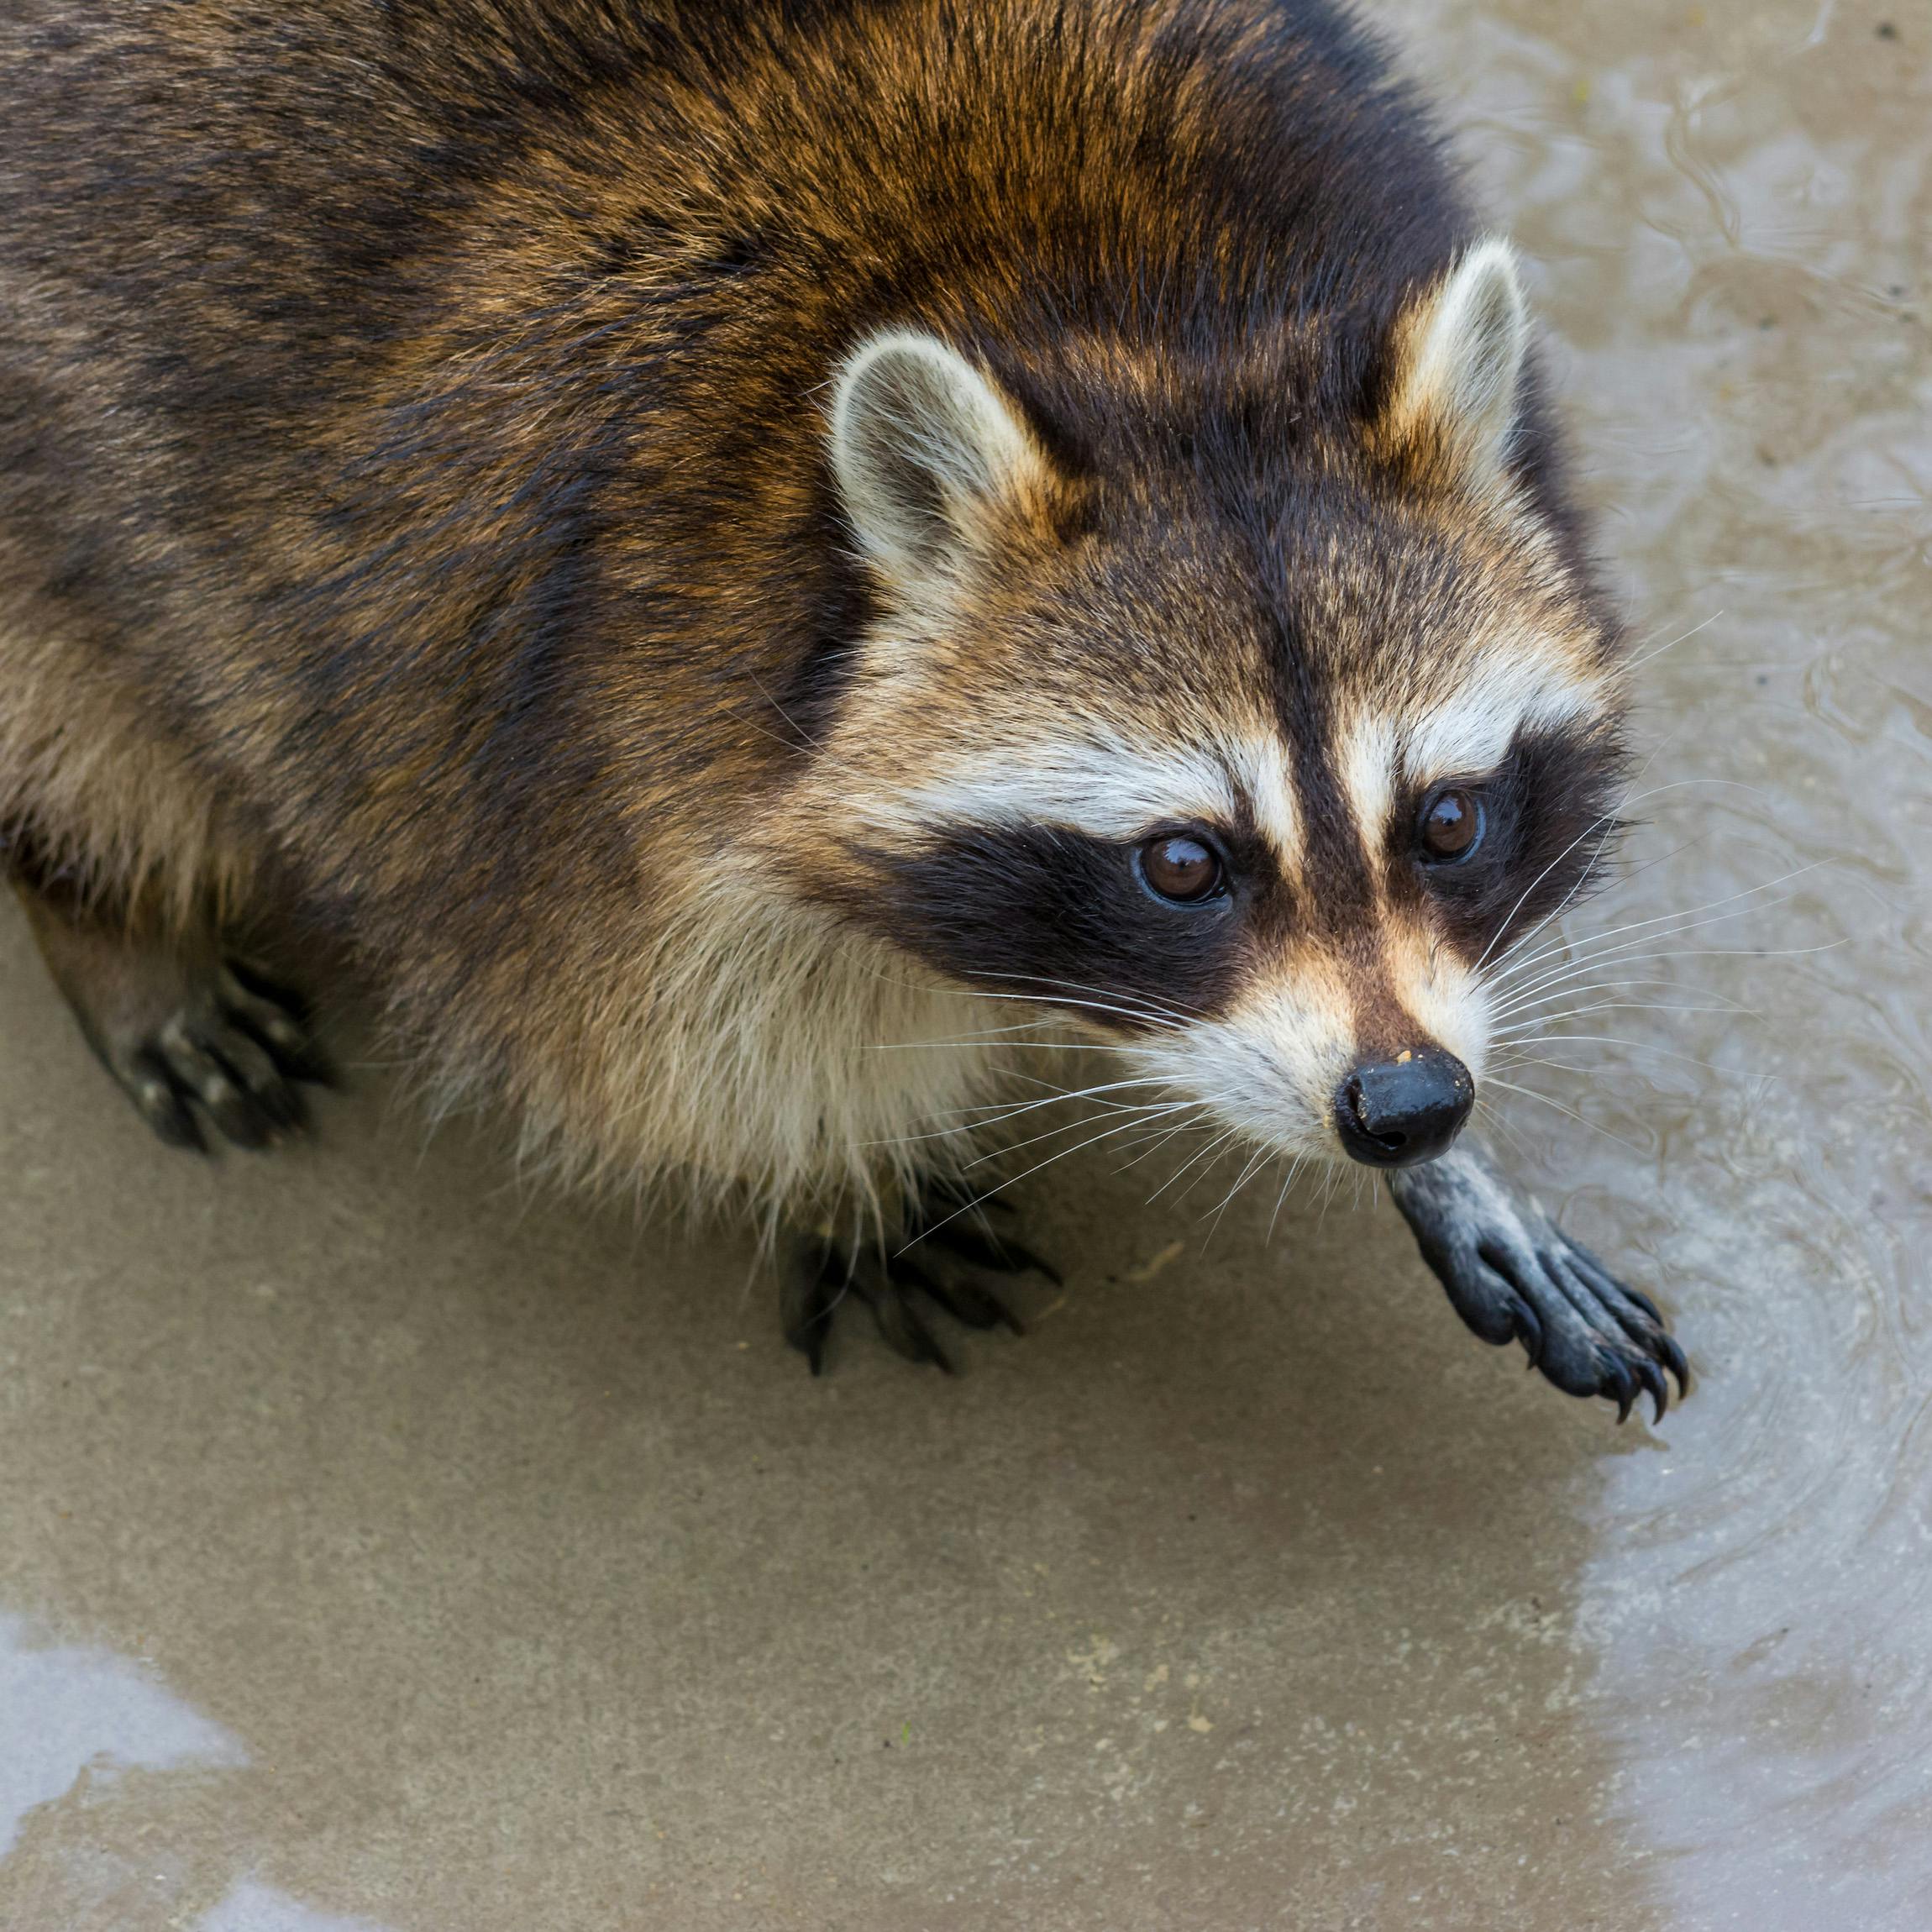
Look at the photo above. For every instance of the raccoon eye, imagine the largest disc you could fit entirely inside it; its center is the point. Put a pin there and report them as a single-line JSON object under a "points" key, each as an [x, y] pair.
{"points": [[1451, 826], [1181, 868]]}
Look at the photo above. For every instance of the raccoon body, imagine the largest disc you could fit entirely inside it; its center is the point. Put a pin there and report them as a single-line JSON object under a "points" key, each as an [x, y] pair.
{"points": [[742, 563]]}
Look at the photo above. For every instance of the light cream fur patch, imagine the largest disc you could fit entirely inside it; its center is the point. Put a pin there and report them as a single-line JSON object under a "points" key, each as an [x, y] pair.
{"points": [[1111, 788], [763, 1053], [1471, 732], [1367, 759], [1465, 345], [1271, 1067], [921, 442], [1465, 735], [1445, 998]]}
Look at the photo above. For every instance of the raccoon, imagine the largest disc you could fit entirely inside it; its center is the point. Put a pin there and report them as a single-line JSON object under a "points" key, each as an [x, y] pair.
{"points": [[751, 570]]}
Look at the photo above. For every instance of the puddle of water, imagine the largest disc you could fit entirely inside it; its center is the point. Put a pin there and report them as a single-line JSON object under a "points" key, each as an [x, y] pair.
{"points": [[75, 1723], [66, 1713], [252, 1908], [1732, 210]]}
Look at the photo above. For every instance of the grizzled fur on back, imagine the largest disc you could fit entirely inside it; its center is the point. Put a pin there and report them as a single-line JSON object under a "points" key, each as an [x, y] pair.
{"points": [[416, 503]]}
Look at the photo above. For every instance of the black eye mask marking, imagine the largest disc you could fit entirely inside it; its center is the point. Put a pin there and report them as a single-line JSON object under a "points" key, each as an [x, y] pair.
{"points": [[1546, 822], [1076, 921], [1068, 919]]}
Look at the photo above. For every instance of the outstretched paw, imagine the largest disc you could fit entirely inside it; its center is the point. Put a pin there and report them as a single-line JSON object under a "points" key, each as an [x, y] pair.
{"points": [[939, 1268], [1511, 1274]]}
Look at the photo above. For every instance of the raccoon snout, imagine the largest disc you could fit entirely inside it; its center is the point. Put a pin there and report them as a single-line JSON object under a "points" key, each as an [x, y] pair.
{"points": [[1394, 1113]]}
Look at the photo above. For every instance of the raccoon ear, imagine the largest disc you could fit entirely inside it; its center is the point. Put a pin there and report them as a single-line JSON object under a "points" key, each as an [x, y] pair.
{"points": [[1459, 353], [925, 449]]}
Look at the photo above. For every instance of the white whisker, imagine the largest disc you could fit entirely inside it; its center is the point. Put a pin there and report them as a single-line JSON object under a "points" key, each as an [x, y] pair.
{"points": [[1169, 1009], [1598, 824], [1638, 664], [1294, 1168], [1672, 919], [1226, 1134], [1146, 1019], [1145, 1113], [1530, 1093], [1013, 1180], [1259, 1159], [1508, 1036]]}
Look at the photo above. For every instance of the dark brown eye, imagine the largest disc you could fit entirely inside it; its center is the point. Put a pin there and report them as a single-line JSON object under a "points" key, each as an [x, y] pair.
{"points": [[1451, 826], [1180, 868]]}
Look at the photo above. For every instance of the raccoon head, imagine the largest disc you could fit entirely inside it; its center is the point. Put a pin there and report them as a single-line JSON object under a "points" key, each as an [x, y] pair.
{"points": [[1246, 730]]}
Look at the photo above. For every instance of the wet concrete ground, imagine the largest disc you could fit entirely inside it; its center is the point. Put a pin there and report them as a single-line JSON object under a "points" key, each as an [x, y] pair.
{"points": [[384, 1547]]}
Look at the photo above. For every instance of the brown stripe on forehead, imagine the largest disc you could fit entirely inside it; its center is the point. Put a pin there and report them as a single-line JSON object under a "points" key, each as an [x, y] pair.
{"points": [[1337, 891], [1342, 897]]}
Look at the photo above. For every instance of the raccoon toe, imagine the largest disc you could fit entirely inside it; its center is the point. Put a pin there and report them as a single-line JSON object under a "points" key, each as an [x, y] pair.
{"points": [[902, 1293], [985, 1249], [190, 1036], [232, 1054], [821, 1279], [147, 1080], [810, 1291], [956, 1222], [1512, 1274], [212, 1067], [970, 1301], [275, 1017], [895, 1312]]}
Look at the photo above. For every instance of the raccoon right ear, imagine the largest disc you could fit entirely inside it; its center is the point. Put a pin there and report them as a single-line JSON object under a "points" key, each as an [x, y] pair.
{"points": [[925, 452], [1458, 353]]}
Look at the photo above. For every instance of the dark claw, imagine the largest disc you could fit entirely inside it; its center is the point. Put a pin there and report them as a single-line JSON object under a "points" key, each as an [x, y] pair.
{"points": [[162, 1104], [1642, 1299], [1620, 1385], [240, 1115], [966, 1301], [809, 1293], [306, 1063], [278, 1020], [902, 1289], [985, 1250], [1647, 1373], [251, 980], [905, 1333], [1674, 1359]]}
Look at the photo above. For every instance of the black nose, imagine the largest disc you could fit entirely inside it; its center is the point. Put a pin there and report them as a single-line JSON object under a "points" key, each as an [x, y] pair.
{"points": [[1394, 1113]]}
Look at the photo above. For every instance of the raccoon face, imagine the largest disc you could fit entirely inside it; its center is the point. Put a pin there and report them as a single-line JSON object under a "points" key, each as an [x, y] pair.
{"points": [[1250, 742]]}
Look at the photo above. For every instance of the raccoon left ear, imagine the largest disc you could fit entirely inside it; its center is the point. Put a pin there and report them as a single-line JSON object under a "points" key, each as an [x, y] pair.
{"points": [[1459, 352], [925, 452]]}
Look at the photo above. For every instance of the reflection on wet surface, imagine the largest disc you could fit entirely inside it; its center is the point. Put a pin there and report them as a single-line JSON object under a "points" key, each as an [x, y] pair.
{"points": [[252, 1907], [71, 1716], [1733, 210], [73, 1723], [488, 1568]]}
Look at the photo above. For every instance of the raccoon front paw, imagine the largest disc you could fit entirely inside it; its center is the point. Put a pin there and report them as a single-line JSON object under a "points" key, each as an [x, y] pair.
{"points": [[234, 1049], [939, 1268], [1512, 1274]]}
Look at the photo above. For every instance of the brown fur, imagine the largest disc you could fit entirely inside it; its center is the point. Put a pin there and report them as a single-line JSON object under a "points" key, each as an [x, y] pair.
{"points": [[415, 495]]}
